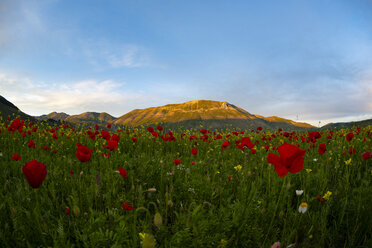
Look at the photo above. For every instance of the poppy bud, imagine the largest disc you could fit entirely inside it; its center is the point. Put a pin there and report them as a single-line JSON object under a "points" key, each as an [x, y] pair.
{"points": [[158, 220], [76, 211]]}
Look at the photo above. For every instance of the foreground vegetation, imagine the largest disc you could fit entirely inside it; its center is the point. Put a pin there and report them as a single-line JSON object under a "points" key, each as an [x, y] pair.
{"points": [[200, 188]]}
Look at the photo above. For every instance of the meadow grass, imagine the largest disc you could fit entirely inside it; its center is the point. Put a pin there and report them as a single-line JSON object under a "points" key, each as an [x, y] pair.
{"points": [[217, 198]]}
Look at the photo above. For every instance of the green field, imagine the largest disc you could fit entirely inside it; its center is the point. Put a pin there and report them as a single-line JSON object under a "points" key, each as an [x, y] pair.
{"points": [[218, 197]]}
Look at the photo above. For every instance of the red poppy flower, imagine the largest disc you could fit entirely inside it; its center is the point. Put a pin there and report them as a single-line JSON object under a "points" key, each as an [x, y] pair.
{"points": [[313, 136], [225, 144], [366, 155], [176, 161], [253, 151], [159, 128], [106, 154], [109, 126], [71, 172], [291, 159], [106, 135], [322, 149], [320, 198], [194, 151], [259, 129], [134, 139], [112, 145], [154, 133], [126, 206], [246, 142], [352, 150], [193, 162], [83, 153], [17, 124], [46, 148], [219, 136], [16, 157], [115, 137], [68, 211], [204, 131], [123, 172], [31, 144], [150, 129], [35, 173], [349, 137]]}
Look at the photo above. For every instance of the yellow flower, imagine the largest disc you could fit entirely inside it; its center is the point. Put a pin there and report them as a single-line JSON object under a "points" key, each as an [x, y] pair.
{"points": [[142, 235], [327, 195], [309, 170], [238, 167], [223, 242], [347, 162]]}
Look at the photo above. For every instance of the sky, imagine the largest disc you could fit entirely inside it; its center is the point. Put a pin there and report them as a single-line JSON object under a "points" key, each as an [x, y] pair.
{"points": [[305, 60]]}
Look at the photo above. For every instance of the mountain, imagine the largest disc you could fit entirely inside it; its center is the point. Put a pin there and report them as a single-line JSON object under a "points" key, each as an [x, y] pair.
{"points": [[211, 114], [54, 116], [9, 109], [340, 125], [276, 119], [91, 118]]}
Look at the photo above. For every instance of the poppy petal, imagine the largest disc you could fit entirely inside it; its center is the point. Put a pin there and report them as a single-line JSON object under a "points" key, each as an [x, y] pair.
{"points": [[297, 165], [281, 170], [273, 159], [287, 151]]}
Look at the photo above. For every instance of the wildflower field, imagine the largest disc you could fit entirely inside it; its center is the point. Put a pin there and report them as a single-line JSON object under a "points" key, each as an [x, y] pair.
{"points": [[64, 186]]}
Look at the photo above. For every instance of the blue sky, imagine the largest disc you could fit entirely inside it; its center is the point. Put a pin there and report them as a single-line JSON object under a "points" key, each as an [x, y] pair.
{"points": [[303, 60]]}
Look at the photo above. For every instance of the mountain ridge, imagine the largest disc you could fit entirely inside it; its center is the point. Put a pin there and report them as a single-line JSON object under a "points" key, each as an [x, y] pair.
{"points": [[8, 109], [191, 114], [203, 112]]}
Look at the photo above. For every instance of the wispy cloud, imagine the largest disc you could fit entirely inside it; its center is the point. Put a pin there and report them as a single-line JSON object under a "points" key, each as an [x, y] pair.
{"points": [[74, 97], [105, 54], [129, 56]]}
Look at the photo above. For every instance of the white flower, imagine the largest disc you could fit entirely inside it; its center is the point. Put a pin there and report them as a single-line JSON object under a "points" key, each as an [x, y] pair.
{"points": [[315, 159], [302, 208], [299, 192]]}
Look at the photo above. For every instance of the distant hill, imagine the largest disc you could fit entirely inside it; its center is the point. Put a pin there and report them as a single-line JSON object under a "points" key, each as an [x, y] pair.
{"points": [[88, 118], [54, 116], [208, 113], [9, 109], [275, 119], [91, 118], [340, 125]]}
